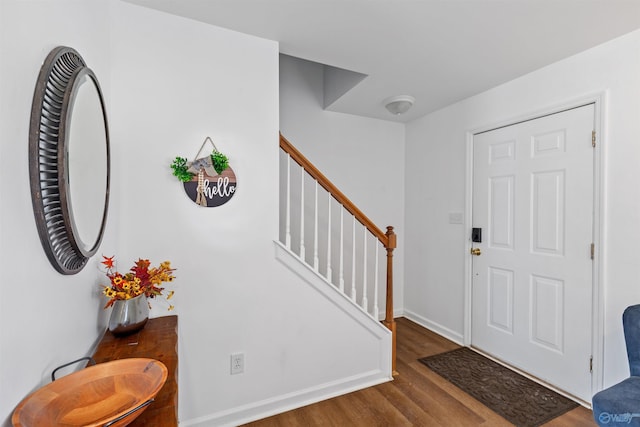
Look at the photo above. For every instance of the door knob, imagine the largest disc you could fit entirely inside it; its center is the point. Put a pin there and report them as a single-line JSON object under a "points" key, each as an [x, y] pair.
{"points": [[475, 251]]}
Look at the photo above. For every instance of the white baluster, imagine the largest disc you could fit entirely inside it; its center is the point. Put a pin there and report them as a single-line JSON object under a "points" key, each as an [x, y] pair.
{"points": [[288, 213], [353, 261], [365, 301], [315, 230], [302, 252], [329, 272], [341, 249], [375, 285]]}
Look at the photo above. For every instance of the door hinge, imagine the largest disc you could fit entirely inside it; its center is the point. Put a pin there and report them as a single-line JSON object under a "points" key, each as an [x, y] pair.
{"points": [[591, 364], [593, 250], [593, 138]]}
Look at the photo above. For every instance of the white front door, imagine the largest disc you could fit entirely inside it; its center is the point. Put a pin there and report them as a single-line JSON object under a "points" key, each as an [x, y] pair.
{"points": [[532, 281]]}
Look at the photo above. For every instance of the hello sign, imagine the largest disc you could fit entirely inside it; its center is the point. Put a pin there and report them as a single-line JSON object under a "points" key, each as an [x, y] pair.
{"points": [[208, 181]]}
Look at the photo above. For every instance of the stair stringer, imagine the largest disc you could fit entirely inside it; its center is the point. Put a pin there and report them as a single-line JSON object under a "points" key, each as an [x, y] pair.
{"points": [[339, 299]]}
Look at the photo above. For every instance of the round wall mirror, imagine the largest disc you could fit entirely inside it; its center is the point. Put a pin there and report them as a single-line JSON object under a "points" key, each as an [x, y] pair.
{"points": [[69, 160]]}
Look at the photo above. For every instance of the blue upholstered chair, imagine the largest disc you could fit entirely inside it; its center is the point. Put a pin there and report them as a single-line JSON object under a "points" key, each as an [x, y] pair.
{"points": [[619, 404]]}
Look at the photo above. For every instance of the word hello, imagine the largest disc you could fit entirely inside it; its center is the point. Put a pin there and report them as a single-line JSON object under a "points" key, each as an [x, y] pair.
{"points": [[222, 188]]}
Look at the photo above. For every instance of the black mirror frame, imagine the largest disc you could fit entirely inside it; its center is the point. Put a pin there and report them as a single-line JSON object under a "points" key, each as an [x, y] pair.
{"points": [[48, 169]]}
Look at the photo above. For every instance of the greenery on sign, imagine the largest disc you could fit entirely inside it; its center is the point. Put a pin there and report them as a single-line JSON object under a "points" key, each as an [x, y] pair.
{"points": [[180, 167], [220, 161]]}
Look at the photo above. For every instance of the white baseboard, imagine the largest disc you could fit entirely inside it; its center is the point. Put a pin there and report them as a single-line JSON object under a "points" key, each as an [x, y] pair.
{"points": [[266, 408], [435, 327], [397, 312]]}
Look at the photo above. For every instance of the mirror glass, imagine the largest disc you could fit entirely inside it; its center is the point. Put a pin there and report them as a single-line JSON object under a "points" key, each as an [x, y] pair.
{"points": [[87, 161]]}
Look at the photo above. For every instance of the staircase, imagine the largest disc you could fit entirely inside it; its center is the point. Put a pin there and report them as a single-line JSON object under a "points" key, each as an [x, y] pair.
{"points": [[329, 235]]}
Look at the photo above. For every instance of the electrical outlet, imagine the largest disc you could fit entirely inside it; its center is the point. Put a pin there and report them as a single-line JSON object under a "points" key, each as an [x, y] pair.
{"points": [[237, 363]]}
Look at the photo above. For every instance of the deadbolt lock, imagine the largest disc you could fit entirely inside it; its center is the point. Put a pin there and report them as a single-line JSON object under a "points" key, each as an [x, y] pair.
{"points": [[475, 251]]}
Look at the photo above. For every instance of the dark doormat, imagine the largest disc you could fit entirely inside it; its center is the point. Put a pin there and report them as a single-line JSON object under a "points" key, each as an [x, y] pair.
{"points": [[514, 397]]}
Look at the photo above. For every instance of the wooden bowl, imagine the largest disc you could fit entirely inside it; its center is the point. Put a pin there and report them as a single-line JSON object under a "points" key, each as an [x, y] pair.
{"points": [[107, 393]]}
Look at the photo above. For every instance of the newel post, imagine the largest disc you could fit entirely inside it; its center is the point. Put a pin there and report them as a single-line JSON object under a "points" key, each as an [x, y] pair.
{"points": [[389, 321]]}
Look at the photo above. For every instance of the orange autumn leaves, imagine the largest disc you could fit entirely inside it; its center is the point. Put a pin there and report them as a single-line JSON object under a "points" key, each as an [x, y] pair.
{"points": [[141, 279]]}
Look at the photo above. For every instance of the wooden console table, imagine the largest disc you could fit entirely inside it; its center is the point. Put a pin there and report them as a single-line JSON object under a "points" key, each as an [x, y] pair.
{"points": [[157, 340]]}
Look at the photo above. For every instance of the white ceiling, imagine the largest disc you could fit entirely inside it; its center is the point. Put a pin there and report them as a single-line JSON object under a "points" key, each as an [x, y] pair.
{"points": [[439, 51]]}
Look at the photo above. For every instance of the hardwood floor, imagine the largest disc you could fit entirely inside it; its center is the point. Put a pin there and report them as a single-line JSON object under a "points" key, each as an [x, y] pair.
{"points": [[416, 397]]}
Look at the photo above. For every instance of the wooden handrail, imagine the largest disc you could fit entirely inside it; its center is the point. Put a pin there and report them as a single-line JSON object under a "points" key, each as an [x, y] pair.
{"points": [[387, 239], [333, 190]]}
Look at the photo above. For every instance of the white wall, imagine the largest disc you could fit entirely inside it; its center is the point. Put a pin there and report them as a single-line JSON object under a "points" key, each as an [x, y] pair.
{"points": [[176, 81], [363, 157], [46, 319], [436, 154], [168, 82]]}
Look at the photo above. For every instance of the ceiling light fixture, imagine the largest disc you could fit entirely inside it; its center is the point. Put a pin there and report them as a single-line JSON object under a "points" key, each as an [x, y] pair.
{"points": [[399, 104]]}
